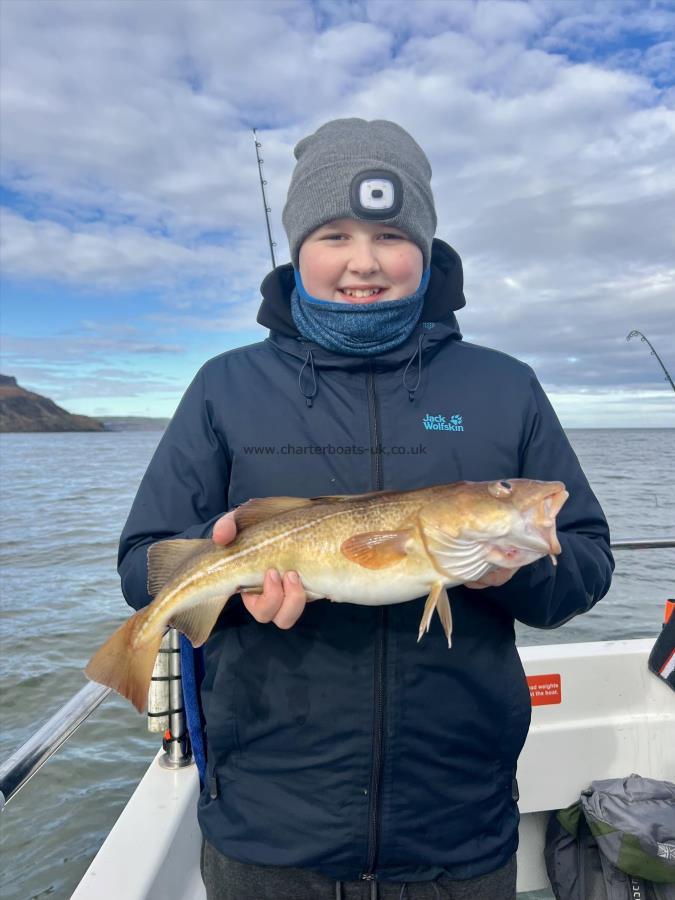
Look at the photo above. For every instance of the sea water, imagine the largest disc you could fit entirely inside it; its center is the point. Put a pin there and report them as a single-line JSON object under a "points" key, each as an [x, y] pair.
{"points": [[64, 499]]}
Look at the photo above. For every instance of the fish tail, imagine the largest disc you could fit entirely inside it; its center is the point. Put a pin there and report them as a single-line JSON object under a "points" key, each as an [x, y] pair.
{"points": [[125, 663]]}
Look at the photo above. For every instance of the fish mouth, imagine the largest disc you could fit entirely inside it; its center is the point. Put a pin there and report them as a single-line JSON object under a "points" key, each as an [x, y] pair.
{"points": [[534, 533], [539, 533]]}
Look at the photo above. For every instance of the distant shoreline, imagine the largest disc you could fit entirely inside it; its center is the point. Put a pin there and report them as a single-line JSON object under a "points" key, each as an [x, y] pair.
{"points": [[111, 425], [134, 423], [26, 412]]}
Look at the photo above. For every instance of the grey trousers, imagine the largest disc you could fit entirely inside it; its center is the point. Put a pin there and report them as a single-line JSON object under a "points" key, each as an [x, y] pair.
{"points": [[227, 879]]}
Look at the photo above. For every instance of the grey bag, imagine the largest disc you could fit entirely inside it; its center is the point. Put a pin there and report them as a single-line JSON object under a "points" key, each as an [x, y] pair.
{"points": [[617, 842]]}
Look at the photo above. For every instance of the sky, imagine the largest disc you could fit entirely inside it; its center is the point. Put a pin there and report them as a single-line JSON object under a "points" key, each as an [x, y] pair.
{"points": [[132, 231]]}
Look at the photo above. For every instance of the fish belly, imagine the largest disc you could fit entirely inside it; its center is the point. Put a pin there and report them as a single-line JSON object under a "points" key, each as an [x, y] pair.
{"points": [[377, 589]]}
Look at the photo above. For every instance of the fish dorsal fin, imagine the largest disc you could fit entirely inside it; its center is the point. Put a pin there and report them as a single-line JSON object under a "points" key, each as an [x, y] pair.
{"points": [[261, 508], [377, 549], [166, 557], [341, 498]]}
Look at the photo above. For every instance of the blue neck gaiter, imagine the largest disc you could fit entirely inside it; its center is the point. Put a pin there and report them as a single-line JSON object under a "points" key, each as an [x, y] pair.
{"points": [[357, 329]]}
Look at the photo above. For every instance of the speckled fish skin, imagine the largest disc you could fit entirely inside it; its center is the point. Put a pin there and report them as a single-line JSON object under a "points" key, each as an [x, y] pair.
{"points": [[370, 549]]}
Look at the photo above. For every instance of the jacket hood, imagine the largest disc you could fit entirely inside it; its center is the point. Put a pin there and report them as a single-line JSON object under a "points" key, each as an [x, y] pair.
{"points": [[444, 295], [437, 325]]}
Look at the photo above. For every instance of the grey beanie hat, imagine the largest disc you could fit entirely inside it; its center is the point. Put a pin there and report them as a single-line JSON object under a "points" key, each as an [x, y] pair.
{"points": [[354, 169]]}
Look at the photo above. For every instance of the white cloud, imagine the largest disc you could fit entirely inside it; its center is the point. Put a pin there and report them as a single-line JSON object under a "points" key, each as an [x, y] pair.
{"points": [[500, 21], [121, 257], [640, 409], [126, 143]]}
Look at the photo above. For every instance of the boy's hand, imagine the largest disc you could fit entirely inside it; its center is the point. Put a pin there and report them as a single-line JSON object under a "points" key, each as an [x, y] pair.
{"points": [[281, 602], [495, 578]]}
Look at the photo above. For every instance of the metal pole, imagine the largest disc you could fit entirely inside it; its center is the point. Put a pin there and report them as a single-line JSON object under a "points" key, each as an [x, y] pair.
{"points": [[636, 333], [268, 209], [34, 753], [159, 702], [176, 739], [643, 544]]}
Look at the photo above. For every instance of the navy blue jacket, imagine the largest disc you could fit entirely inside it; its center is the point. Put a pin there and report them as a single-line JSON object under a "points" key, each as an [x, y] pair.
{"points": [[343, 745]]}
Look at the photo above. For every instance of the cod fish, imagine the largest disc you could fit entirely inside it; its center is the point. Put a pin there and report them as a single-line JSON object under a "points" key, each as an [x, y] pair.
{"points": [[370, 549]]}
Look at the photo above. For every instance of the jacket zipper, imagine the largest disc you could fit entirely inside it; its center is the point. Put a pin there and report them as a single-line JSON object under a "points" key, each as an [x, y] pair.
{"points": [[375, 461], [379, 663]]}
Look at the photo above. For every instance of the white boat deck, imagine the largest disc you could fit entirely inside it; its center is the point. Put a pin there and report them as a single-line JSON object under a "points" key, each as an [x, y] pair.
{"points": [[610, 717]]}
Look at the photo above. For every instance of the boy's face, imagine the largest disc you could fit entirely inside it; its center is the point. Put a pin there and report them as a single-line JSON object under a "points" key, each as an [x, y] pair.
{"points": [[346, 259]]}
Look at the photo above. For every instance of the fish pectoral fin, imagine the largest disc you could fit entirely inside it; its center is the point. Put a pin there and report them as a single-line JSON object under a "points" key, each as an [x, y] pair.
{"points": [[197, 622], [437, 600], [166, 557], [377, 549], [259, 509]]}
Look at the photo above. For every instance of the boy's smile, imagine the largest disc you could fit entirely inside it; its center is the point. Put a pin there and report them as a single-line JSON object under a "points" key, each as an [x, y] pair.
{"points": [[353, 261]]}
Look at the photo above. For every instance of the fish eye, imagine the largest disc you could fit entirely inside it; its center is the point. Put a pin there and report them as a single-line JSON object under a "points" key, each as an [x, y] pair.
{"points": [[500, 489]]}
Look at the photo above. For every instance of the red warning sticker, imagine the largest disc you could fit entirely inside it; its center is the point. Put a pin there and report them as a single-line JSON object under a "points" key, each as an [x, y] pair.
{"points": [[544, 689]]}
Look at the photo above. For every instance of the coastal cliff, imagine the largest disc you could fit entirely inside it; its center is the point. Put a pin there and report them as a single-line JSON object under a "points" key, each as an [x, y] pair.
{"points": [[22, 410]]}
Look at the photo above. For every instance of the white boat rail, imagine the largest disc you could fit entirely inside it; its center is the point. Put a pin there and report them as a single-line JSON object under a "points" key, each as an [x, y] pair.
{"points": [[29, 758]]}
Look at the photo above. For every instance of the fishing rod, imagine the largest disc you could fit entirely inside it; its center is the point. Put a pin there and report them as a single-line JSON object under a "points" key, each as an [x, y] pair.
{"points": [[636, 333], [268, 209]]}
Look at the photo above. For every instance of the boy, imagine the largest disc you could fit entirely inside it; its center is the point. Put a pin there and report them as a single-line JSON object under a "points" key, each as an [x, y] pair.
{"points": [[345, 759]]}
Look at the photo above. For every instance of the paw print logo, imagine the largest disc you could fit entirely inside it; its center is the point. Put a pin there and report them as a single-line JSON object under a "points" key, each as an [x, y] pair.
{"points": [[455, 420]]}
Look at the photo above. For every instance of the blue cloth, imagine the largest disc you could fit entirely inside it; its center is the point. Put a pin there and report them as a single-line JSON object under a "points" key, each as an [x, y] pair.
{"points": [[192, 674], [357, 329]]}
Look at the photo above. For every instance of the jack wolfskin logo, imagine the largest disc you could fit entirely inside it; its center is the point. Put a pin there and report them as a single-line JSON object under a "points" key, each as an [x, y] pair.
{"points": [[439, 423], [666, 851]]}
